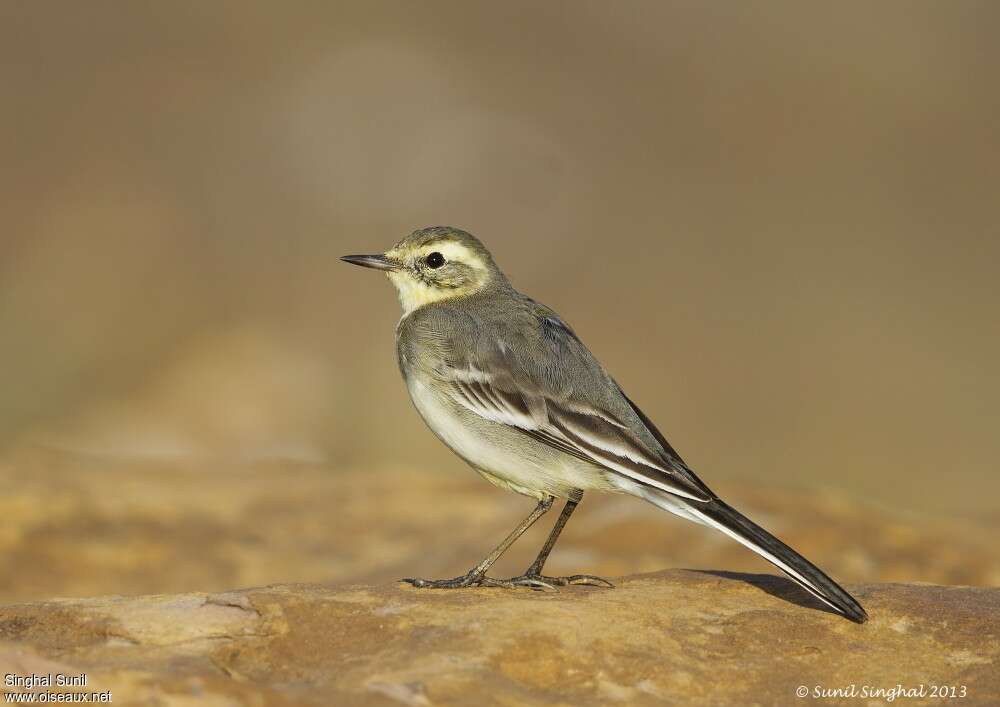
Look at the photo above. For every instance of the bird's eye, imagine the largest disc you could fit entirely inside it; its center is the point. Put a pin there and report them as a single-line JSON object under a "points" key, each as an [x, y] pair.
{"points": [[434, 260]]}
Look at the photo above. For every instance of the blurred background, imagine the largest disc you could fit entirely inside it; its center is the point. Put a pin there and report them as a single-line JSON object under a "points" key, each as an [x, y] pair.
{"points": [[775, 223]]}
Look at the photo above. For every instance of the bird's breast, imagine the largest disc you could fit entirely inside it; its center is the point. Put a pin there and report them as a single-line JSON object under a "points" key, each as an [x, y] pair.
{"points": [[462, 435]]}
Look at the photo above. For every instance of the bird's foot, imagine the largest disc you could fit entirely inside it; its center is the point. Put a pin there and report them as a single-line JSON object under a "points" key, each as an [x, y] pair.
{"points": [[531, 581], [549, 584], [469, 579]]}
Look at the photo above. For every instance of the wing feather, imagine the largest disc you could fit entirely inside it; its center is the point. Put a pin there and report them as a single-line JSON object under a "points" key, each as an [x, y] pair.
{"points": [[573, 427]]}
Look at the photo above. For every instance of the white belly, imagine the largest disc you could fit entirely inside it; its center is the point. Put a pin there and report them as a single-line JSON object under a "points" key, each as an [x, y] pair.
{"points": [[505, 457]]}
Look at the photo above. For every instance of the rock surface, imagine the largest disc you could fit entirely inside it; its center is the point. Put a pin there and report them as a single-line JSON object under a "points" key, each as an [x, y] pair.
{"points": [[348, 634], [679, 637]]}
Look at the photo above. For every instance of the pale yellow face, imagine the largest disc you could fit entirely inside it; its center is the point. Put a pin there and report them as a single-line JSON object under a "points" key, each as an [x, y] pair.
{"points": [[436, 271]]}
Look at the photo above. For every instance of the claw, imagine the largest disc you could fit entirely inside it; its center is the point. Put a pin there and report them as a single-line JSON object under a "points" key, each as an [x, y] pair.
{"points": [[533, 583]]}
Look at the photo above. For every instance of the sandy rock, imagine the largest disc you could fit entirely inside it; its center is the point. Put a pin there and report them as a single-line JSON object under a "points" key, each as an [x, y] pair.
{"points": [[671, 637]]}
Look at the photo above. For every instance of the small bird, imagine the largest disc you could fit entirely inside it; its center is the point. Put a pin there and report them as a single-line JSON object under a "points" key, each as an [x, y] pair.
{"points": [[506, 384]]}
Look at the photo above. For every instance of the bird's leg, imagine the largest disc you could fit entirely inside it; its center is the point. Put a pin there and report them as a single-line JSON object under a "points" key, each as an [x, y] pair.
{"points": [[550, 542], [533, 577], [476, 577]]}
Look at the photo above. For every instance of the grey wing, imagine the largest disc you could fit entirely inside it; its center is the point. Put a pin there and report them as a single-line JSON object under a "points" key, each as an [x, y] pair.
{"points": [[561, 396]]}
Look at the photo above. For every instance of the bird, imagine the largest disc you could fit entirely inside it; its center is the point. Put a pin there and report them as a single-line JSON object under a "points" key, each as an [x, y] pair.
{"points": [[507, 385]]}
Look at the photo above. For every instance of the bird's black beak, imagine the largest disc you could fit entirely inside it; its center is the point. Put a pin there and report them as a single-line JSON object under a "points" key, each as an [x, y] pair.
{"points": [[378, 262]]}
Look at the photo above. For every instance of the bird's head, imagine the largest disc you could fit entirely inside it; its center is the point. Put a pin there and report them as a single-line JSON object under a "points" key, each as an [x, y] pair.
{"points": [[434, 264]]}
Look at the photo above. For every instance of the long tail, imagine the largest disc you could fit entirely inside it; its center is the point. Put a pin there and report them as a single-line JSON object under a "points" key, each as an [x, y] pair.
{"points": [[728, 520]]}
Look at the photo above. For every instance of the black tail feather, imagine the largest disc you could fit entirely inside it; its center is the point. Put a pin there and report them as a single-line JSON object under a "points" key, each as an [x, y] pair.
{"points": [[798, 568]]}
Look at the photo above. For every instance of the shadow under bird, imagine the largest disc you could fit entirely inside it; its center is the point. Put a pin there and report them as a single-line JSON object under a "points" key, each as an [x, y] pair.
{"points": [[509, 387]]}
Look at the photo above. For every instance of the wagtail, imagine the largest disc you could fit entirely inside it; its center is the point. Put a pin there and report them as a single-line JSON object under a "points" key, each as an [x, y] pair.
{"points": [[510, 388]]}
